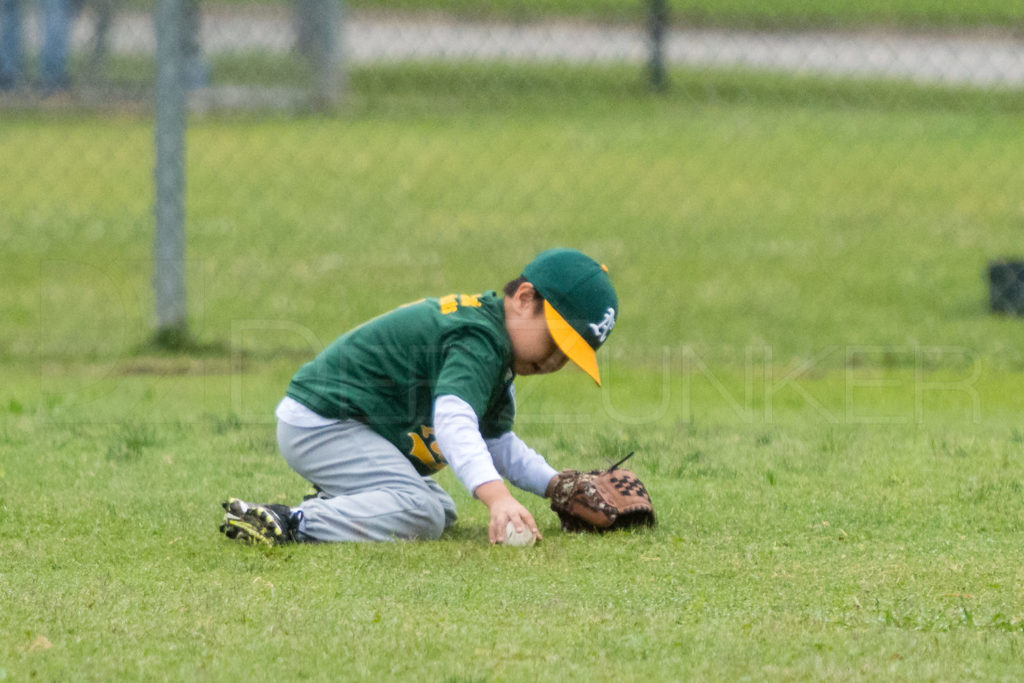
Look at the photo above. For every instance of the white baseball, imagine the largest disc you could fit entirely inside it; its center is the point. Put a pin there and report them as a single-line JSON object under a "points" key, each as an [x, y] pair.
{"points": [[518, 538]]}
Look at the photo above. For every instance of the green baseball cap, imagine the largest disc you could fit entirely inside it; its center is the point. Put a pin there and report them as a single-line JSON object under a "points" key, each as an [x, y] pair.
{"points": [[580, 304]]}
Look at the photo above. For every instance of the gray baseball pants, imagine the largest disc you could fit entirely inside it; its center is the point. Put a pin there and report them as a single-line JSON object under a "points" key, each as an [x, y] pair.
{"points": [[371, 492]]}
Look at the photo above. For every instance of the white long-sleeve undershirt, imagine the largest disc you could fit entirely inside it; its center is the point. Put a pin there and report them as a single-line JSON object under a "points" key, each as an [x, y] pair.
{"points": [[476, 460]]}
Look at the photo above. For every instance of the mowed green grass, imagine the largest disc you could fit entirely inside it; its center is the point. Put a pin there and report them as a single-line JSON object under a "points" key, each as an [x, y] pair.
{"points": [[824, 411]]}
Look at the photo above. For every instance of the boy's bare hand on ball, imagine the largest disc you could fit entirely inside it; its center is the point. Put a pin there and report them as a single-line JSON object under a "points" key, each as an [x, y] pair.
{"points": [[504, 508]]}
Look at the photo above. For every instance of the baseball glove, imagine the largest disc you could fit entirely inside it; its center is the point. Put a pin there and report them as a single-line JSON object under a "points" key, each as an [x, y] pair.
{"points": [[601, 500]]}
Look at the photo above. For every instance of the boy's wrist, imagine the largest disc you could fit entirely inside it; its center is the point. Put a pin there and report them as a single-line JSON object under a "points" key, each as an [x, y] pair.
{"points": [[491, 492]]}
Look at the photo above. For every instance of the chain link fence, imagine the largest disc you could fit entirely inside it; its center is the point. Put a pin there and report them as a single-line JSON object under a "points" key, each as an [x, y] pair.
{"points": [[267, 53], [280, 95], [272, 53]]}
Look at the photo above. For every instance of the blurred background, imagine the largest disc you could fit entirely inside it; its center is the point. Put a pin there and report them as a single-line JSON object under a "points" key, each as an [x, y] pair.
{"points": [[775, 175], [288, 54]]}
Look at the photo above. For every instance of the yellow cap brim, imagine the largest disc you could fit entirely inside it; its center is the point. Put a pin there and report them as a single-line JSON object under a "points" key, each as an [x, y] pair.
{"points": [[571, 343]]}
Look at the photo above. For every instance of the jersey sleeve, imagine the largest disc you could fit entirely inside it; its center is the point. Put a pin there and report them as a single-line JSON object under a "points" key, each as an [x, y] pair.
{"points": [[471, 369]]}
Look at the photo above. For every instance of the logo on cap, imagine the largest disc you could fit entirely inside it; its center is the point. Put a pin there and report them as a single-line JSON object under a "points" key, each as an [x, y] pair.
{"points": [[602, 328]]}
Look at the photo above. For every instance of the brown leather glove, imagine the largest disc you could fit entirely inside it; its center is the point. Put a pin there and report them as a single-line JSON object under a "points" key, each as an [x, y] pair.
{"points": [[600, 500]]}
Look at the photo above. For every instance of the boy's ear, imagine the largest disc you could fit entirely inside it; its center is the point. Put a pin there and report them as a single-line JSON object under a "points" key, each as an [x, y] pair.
{"points": [[528, 300], [527, 292]]}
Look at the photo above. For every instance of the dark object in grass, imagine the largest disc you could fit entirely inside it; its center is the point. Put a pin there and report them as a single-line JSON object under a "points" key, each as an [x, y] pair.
{"points": [[1006, 286]]}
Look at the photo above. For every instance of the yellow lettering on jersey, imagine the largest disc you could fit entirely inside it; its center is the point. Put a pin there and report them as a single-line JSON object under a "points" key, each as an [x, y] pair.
{"points": [[420, 450], [449, 304], [471, 300], [428, 455]]}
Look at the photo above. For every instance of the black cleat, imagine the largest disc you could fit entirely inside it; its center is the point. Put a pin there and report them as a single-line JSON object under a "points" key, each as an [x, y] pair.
{"points": [[258, 523]]}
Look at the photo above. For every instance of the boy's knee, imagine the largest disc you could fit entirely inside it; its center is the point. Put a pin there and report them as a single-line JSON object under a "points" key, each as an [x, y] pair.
{"points": [[426, 517]]}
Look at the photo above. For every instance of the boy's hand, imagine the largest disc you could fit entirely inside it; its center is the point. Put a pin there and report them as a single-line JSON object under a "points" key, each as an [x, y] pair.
{"points": [[504, 509]]}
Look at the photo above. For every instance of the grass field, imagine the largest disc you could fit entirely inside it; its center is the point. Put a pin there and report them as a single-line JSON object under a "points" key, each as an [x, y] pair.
{"points": [[825, 413]]}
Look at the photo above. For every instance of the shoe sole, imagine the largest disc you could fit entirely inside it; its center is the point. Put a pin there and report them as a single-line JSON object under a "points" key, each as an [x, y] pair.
{"points": [[250, 524]]}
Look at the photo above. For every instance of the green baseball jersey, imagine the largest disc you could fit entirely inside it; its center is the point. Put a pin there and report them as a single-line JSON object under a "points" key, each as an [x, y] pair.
{"points": [[388, 371]]}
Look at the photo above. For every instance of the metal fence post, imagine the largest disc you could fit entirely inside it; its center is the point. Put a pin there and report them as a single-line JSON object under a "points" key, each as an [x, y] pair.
{"points": [[318, 40], [169, 176], [657, 23]]}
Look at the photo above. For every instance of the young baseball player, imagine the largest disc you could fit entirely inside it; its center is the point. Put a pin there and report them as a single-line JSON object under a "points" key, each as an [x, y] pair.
{"points": [[427, 385]]}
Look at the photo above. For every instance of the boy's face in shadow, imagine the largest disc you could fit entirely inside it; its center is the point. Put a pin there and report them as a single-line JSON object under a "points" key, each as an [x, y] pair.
{"points": [[534, 352]]}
